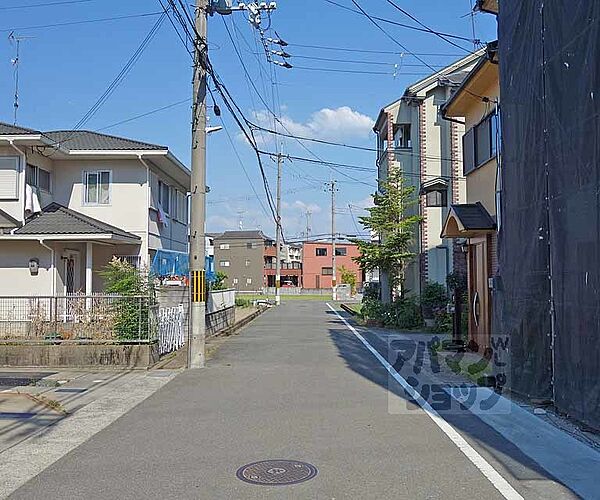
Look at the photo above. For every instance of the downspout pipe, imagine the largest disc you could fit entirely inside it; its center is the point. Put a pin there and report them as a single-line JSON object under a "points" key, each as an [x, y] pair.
{"points": [[52, 265], [148, 202]]}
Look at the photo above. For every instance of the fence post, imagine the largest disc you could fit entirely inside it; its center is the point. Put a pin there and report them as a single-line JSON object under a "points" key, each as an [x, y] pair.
{"points": [[139, 318], [55, 316]]}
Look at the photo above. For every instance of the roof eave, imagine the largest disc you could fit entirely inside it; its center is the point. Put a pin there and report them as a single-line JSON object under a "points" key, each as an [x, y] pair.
{"points": [[113, 238]]}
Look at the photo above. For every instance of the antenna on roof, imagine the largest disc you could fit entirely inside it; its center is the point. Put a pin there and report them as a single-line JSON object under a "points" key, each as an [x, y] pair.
{"points": [[15, 40]]}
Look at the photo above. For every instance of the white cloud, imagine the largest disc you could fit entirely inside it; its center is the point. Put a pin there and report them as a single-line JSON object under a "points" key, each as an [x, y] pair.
{"points": [[328, 124]]}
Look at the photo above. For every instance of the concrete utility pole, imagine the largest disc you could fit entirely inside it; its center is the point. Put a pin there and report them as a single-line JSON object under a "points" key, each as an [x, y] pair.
{"points": [[333, 189], [197, 332], [278, 233]]}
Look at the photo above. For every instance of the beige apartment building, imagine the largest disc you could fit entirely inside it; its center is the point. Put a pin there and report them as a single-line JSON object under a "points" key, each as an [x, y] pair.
{"points": [[413, 137]]}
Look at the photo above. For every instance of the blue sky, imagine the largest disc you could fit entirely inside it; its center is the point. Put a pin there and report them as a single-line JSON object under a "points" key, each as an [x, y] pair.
{"points": [[65, 69]]}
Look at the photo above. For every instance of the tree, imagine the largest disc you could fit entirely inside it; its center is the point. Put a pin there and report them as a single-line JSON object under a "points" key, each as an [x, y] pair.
{"points": [[219, 282], [391, 219], [348, 277]]}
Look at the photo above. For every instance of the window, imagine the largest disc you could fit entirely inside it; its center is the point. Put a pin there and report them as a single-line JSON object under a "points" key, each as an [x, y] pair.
{"points": [[235, 281], [250, 245], [321, 252], [224, 246], [37, 177], [179, 205], [164, 196], [224, 263], [247, 262], [402, 136], [480, 144], [248, 281], [97, 187], [436, 198], [9, 177], [341, 251], [327, 271], [44, 180]]}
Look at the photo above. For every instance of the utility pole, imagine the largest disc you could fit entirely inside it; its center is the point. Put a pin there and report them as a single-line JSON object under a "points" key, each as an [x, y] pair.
{"points": [[333, 189], [278, 233], [197, 332], [308, 215]]}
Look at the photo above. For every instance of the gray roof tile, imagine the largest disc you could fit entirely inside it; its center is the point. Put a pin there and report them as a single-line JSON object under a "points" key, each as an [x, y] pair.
{"points": [[7, 129], [86, 140], [474, 216], [56, 219]]}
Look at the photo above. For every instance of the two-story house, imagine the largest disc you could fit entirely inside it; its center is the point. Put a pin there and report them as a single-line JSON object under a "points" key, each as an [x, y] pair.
{"points": [[475, 222], [412, 137], [240, 256], [71, 200]]}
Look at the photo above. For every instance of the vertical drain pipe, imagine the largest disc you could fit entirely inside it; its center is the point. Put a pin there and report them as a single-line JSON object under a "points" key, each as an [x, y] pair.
{"points": [[52, 265]]}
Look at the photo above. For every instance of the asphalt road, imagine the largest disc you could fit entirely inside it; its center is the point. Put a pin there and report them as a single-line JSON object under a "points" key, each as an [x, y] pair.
{"points": [[295, 384]]}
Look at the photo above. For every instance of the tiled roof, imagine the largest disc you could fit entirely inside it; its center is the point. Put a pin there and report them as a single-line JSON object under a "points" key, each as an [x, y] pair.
{"points": [[7, 129], [473, 216], [87, 140], [56, 219]]}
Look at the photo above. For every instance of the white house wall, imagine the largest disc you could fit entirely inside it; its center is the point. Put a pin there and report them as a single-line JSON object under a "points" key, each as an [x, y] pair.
{"points": [[14, 269]]}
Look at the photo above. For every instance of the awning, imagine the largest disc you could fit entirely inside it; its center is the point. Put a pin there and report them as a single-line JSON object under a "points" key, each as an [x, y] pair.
{"points": [[468, 220], [57, 222], [437, 184]]}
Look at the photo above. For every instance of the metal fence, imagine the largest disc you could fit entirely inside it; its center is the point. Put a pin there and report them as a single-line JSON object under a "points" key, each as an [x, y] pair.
{"points": [[81, 318]]}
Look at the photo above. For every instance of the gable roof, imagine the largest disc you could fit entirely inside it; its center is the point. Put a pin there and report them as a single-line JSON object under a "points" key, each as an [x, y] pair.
{"points": [[56, 219], [8, 129], [466, 220], [86, 140], [7, 220]]}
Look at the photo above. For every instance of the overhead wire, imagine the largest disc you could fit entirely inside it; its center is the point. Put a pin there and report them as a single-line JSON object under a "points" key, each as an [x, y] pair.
{"points": [[427, 28], [116, 81], [46, 4], [74, 23], [371, 51], [385, 32], [395, 23]]}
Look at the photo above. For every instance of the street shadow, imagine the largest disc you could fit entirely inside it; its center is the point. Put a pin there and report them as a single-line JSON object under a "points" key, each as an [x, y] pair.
{"points": [[358, 358]]}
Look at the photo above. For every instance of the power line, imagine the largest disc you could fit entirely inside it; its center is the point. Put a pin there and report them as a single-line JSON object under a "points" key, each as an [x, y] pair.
{"points": [[402, 46], [356, 61], [395, 23], [168, 106], [73, 23], [48, 4], [427, 28], [117, 80], [356, 71], [372, 51]]}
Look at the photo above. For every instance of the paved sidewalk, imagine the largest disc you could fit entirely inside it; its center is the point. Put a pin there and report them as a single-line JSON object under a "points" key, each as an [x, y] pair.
{"points": [[41, 423], [295, 384]]}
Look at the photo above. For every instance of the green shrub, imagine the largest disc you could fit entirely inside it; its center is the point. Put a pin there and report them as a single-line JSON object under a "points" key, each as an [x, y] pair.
{"points": [[130, 313], [402, 313], [243, 302], [433, 298]]}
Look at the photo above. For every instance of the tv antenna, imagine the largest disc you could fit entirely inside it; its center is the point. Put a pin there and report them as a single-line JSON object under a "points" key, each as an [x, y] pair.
{"points": [[15, 40]]}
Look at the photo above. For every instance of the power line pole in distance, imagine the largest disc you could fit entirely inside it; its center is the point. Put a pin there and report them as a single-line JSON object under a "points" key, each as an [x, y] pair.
{"points": [[333, 189], [278, 233]]}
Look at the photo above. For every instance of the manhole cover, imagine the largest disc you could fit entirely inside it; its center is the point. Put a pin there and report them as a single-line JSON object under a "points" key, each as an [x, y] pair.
{"points": [[277, 472]]}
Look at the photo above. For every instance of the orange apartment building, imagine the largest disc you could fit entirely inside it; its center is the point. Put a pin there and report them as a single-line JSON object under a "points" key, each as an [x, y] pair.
{"points": [[317, 270]]}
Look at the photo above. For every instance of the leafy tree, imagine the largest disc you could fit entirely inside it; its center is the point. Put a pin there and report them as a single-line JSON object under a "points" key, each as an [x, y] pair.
{"points": [[219, 282], [392, 220], [348, 277]]}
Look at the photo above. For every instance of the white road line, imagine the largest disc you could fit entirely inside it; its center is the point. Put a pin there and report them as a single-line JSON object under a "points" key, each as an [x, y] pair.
{"points": [[501, 484]]}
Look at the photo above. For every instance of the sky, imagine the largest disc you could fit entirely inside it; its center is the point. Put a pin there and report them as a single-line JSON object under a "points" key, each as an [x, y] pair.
{"points": [[64, 69]]}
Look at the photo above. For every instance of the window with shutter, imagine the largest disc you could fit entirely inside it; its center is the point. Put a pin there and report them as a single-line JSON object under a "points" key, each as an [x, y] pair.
{"points": [[9, 177], [468, 151]]}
